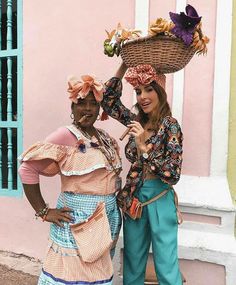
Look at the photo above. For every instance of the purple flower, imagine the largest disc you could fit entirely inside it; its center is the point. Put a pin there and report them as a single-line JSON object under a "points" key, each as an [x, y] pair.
{"points": [[185, 24], [81, 145], [82, 148]]}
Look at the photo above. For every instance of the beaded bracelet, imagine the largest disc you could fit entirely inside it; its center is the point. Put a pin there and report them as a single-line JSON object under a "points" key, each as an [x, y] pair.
{"points": [[42, 212], [45, 215]]}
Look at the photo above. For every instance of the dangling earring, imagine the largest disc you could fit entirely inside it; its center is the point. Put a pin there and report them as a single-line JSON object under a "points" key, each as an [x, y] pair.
{"points": [[98, 117], [72, 116]]}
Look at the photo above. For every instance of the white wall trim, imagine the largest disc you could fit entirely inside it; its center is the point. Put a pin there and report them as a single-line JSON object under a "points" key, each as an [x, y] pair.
{"points": [[142, 16], [178, 80], [178, 96], [209, 247], [210, 192], [141, 22], [221, 97]]}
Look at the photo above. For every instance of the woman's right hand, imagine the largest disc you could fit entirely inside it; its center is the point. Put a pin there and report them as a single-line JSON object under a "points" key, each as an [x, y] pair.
{"points": [[121, 70], [138, 132], [57, 216]]}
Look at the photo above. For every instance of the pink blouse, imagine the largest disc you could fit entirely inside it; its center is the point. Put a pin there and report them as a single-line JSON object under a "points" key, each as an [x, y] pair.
{"points": [[81, 172]]}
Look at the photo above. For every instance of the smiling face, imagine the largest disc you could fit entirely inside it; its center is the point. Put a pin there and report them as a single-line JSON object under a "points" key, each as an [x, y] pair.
{"points": [[147, 98], [87, 106]]}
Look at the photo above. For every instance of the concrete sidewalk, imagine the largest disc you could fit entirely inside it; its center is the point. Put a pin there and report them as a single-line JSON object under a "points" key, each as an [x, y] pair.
{"points": [[9, 276]]}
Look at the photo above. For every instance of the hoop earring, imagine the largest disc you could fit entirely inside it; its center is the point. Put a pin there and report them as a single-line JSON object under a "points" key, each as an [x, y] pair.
{"points": [[72, 116], [98, 117]]}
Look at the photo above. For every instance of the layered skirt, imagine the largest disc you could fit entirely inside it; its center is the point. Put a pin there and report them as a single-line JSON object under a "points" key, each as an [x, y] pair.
{"points": [[63, 264]]}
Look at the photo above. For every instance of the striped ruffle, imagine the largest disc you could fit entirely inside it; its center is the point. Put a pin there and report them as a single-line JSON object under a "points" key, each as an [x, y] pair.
{"points": [[48, 279]]}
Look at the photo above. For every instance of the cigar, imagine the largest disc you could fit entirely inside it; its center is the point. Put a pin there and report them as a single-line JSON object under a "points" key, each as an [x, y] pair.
{"points": [[82, 119], [125, 134]]}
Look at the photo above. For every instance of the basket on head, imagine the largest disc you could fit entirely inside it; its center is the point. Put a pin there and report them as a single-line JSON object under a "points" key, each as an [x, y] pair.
{"points": [[165, 53]]}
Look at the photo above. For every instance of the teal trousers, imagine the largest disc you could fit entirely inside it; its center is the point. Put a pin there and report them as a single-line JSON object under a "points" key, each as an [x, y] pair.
{"points": [[158, 226]]}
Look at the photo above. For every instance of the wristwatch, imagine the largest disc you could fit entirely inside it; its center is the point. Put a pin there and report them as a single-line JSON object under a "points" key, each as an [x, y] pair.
{"points": [[144, 157]]}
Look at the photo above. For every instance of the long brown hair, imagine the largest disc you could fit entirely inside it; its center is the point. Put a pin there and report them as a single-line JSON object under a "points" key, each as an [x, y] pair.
{"points": [[162, 110]]}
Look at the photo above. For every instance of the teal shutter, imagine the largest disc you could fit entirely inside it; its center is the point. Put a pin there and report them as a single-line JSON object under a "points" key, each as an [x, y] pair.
{"points": [[10, 96]]}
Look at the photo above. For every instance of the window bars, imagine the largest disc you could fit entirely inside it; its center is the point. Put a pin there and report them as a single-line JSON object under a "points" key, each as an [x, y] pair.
{"points": [[10, 95]]}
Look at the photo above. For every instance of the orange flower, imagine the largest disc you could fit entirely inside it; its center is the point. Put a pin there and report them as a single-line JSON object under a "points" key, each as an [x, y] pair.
{"points": [[80, 88]]}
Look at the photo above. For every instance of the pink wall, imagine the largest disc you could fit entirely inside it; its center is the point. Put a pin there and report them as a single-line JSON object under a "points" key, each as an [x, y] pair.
{"points": [[65, 39], [198, 96], [198, 90], [58, 40], [197, 272]]}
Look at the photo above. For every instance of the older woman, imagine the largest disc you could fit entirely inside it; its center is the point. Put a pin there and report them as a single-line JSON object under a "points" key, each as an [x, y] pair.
{"points": [[88, 162]]}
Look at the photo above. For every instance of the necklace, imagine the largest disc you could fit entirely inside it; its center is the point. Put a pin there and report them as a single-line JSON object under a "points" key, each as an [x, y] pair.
{"points": [[108, 149], [106, 145], [84, 133]]}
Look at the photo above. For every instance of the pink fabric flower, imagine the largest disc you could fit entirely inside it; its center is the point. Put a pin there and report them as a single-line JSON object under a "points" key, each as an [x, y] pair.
{"points": [[80, 88], [144, 74], [81, 145]]}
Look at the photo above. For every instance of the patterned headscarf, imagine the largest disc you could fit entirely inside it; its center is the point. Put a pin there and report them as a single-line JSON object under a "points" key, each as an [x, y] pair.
{"points": [[144, 74], [80, 88]]}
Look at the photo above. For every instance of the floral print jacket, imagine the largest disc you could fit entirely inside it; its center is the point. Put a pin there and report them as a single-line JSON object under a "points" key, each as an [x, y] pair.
{"points": [[165, 153]]}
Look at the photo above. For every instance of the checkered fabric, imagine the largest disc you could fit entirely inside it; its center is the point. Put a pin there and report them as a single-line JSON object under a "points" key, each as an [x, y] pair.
{"points": [[63, 264]]}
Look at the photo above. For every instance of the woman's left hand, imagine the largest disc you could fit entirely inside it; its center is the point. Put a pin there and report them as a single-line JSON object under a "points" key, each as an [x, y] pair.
{"points": [[138, 132]]}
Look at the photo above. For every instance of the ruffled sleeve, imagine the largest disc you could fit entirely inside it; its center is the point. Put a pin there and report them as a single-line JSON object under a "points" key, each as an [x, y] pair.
{"points": [[61, 155], [45, 151], [131, 150]]}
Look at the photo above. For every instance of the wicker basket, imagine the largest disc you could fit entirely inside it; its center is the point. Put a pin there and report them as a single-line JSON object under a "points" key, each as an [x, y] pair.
{"points": [[165, 53]]}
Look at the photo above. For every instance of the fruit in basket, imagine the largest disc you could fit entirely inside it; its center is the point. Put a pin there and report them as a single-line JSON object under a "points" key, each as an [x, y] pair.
{"points": [[169, 46], [108, 49], [116, 38]]}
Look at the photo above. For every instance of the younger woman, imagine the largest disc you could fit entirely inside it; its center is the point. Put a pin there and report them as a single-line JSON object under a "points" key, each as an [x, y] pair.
{"points": [[155, 151]]}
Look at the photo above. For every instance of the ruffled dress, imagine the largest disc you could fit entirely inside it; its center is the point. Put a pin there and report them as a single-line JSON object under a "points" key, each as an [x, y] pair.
{"points": [[86, 179]]}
